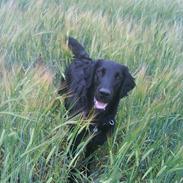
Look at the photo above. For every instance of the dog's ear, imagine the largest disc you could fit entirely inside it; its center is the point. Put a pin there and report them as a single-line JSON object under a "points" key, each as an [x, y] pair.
{"points": [[77, 49], [89, 74], [128, 82]]}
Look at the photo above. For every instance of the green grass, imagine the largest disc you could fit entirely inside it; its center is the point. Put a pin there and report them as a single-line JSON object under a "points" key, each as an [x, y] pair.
{"points": [[147, 145]]}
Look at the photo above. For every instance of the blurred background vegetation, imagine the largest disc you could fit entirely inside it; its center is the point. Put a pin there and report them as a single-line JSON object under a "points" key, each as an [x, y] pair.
{"points": [[146, 35]]}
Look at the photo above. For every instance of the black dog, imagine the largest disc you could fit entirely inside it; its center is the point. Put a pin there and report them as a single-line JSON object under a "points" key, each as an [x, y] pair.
{"points": [[94, 86]]}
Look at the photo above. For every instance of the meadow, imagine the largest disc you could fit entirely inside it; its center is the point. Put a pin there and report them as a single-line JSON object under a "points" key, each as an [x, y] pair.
{"points": [[146, 35]]}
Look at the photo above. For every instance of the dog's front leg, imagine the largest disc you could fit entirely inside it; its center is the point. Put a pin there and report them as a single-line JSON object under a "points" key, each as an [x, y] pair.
{"points": [[72, 152], [90, 149], [92, 146]]}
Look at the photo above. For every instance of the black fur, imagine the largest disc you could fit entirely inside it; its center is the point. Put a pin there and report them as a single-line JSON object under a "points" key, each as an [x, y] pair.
{"points": [[91, 84]]}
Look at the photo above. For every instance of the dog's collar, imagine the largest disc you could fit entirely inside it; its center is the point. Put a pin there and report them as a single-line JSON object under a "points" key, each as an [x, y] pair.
{"points": [[111, 122], [95, 127]]}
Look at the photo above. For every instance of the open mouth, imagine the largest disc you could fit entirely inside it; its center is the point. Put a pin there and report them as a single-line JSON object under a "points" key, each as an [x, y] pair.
{"points": [[99, 104]]}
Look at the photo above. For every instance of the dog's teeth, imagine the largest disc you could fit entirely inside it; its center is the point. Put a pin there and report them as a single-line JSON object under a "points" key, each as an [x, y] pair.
{"points": [[99, 105]]}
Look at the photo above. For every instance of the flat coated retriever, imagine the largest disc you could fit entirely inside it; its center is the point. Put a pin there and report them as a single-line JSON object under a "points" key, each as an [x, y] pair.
{"points": [[94, 86]]}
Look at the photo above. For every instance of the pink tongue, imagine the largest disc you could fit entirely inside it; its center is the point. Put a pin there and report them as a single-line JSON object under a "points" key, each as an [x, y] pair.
{"points": [[99, 105]]}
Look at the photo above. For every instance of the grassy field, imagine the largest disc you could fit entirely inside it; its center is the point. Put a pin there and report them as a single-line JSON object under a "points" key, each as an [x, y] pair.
{"points": [[146, 35]]}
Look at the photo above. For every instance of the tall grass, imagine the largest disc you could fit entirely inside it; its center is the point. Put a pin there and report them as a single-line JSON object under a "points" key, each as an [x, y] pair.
{"points": [[147, 145]]}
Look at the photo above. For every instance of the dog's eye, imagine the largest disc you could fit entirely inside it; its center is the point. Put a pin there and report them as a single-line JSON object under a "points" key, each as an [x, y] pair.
{"points": [[101, 72], [117, 76]]}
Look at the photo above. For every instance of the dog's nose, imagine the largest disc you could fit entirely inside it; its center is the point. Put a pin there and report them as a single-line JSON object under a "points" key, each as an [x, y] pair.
{"points": [[105, 92]]}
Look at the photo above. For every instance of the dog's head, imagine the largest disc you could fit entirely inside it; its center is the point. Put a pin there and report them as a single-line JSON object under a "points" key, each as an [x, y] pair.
{"points": [[111, 81], [108, 80]]}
